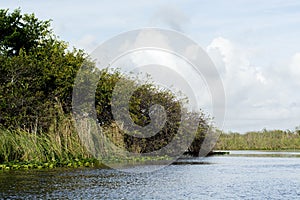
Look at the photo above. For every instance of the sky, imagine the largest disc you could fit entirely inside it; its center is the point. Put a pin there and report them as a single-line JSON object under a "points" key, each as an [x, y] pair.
{"points": [[253, 44]]}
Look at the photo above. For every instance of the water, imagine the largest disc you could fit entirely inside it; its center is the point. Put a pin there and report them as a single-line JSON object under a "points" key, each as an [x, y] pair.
{"points": [[241, 175]]}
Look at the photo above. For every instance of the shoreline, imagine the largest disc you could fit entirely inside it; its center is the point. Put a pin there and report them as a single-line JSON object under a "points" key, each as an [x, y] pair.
{"points": [[94, 163]]}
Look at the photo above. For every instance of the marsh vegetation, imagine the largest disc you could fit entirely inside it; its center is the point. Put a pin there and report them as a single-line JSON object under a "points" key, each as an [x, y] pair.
{"points": [[37, 74]]}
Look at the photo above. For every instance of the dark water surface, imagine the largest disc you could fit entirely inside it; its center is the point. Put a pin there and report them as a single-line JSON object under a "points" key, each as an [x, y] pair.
{"points": [[241, 175]]}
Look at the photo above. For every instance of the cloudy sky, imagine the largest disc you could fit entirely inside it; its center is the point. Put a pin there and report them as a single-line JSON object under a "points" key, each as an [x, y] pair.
{"points": [[255, 45]]}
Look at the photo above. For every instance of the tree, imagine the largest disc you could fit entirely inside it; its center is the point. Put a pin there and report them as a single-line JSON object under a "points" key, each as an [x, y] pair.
{"points": [[36, 71], [21, 32]]}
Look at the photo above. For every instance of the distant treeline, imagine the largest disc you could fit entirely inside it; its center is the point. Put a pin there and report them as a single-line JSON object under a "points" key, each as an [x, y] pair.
{"points": [[260, 140]]}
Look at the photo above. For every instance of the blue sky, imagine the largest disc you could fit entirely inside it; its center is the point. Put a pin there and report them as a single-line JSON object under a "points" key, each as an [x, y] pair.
{"points": [[254, 44]]}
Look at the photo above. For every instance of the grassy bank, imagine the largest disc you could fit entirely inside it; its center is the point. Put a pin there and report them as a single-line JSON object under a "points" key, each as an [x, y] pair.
{"points": [[59, 147], [260, 140], [62, 147]]}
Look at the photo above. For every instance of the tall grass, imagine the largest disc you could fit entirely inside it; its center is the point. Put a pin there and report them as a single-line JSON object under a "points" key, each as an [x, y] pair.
{"points": [[60, 142], [261, 140], [63, 141]]}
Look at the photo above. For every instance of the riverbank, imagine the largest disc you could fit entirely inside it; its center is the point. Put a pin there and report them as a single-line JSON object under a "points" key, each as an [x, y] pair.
{"points": [[24, 150], [62, 147]]}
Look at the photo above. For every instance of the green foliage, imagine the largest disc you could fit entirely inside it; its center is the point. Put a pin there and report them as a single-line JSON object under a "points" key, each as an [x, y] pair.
{"points": [[143, 97], [262, 140], [37, 74], [21, 32], [200, 135], [61, 142]]}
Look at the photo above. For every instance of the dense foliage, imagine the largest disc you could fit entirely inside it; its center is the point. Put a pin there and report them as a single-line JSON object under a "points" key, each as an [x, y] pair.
{"points": [[37, 74], [21, 32], [36, 71]]}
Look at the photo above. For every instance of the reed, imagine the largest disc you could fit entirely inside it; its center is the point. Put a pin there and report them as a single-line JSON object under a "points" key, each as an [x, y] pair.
{"points": [[60, 142], [260, 140]]}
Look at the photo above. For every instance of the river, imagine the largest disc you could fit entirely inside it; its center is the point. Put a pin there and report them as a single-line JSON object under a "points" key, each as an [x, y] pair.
{"points": [[240, 175]]}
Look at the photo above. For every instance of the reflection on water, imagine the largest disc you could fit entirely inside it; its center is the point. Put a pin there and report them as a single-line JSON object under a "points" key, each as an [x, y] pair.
{"points": [[227, 177]]}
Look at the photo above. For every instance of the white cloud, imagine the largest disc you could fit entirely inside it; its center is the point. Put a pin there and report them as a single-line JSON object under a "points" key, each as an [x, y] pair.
{"points": [[242, 81], [234, 65], [258, 96]]}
